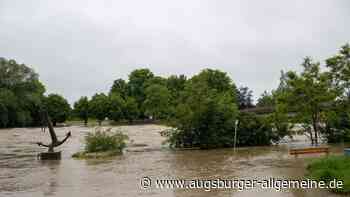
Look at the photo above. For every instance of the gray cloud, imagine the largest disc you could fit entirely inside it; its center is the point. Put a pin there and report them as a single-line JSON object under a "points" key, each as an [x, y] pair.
{"points": [[80, 47]]}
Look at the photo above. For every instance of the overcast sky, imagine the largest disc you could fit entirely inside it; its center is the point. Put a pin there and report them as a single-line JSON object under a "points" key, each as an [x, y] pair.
{"points": [[79, 47]]}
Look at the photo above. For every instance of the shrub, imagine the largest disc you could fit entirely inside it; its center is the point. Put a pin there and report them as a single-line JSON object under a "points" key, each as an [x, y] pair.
{"points": [[102, 143], [254, 131], [105, 140], [330, 168], [337, 126]]}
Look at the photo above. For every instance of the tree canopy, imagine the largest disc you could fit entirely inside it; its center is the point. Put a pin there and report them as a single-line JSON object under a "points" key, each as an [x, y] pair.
{"points": [[81, 109], [206, 116], [99, 107], [21, 94], [157, 101], [58, 108]]}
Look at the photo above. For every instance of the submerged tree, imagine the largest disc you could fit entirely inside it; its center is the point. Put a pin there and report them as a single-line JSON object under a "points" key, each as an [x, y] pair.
{"points": [[339, 66], [338, 119], [255, 131], [308, 94], [207, 113]]}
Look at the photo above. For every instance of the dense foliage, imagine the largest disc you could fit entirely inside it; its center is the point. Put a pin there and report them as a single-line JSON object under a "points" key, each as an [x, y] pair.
{"points": [[254, 130], [330, 168], [245, 98], [206, 116], [105, 140], [58, 108], [81, 109], [157, 101], [309, 94], [102, 143], [21, 95], [99, 107], [266, 100]]}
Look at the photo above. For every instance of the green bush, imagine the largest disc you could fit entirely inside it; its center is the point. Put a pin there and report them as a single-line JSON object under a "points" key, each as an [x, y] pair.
{"points": [[330, 168], [254, 131], [105, 140], [337, 126], [102, 143]]}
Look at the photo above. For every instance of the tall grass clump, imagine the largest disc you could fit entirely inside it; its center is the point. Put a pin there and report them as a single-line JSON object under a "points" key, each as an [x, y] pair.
{"points": [[102, 143], [330, 168]]}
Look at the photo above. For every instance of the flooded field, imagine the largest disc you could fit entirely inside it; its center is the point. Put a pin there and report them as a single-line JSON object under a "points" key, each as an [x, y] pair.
{"points": [[22, 174]]}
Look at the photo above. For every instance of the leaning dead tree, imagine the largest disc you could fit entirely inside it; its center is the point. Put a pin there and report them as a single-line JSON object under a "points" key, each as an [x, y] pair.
{"points": [[51, 154]]}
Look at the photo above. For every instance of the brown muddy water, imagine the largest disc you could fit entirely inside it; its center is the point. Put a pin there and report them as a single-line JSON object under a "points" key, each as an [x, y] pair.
{"points": [[22, 174]]}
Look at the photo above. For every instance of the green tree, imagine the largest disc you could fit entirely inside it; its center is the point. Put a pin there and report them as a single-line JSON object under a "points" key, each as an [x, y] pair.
{"points": [[4, 119], [266, 100], [58, 108], [254, 131], [337, 124], [120, 87], [21, 94], [339, 66], [206, 116], [156, 80], [176, 86], [116, 107], [157, 101], [81, 108], [131, 110], [308, 94], [338, 119], [137, 84], [10, 106], [245, 98], [99, 107]]}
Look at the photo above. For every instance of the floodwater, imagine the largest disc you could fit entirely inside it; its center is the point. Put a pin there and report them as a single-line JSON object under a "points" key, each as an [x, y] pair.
{"points": [[22, 174]]}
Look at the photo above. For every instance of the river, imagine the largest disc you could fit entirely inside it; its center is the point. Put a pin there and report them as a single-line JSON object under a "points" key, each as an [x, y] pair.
{"points": [[22, 174]]}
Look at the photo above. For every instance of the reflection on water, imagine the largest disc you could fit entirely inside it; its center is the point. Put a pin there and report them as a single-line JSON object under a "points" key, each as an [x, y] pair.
{"points": [[21, 174]]}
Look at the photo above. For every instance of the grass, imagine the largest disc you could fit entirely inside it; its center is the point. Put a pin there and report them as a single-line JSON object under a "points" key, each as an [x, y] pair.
{"points": [[102, 143], [330, 168]]}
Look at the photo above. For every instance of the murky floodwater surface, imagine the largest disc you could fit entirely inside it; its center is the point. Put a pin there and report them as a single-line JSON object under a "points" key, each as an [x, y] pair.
{"points": [[22, 174]]}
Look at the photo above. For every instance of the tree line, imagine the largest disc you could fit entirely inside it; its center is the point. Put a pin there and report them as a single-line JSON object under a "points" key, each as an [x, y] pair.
{"points": [[204, 110]]}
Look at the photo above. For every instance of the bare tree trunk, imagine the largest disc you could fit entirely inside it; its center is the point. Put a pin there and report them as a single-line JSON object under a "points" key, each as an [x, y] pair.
{"points": [[311, 136], [308, 130]]}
